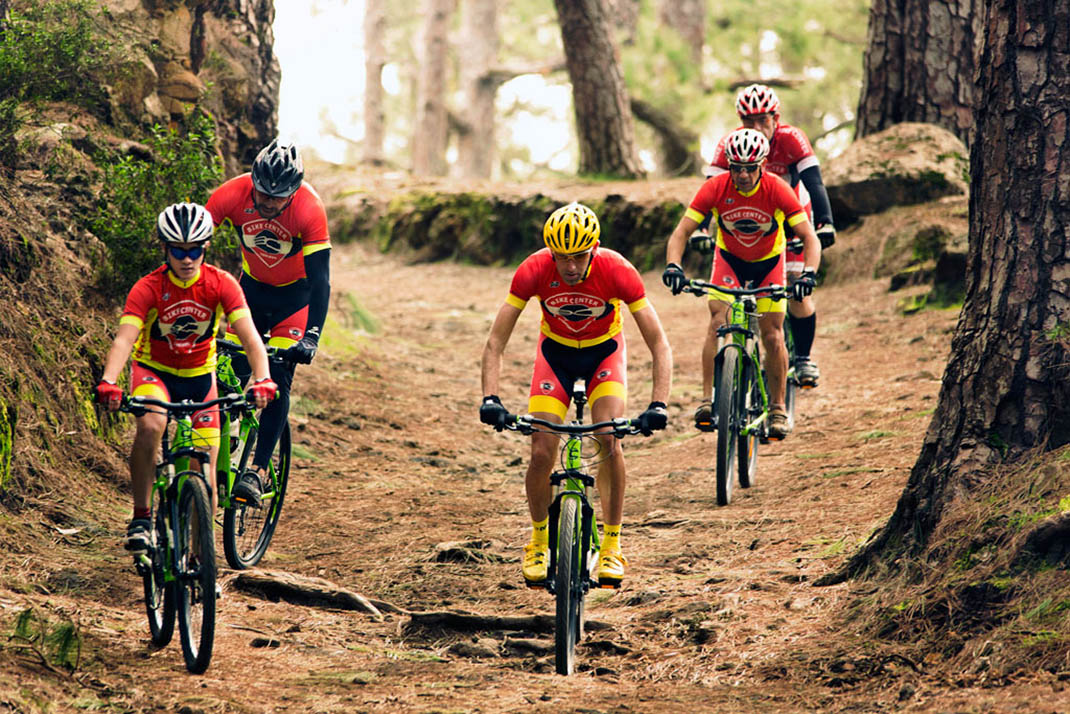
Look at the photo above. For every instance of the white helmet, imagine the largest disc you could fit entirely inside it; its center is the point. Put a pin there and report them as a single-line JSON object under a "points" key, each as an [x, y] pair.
{"points": [[746, 146], [184, 223]]}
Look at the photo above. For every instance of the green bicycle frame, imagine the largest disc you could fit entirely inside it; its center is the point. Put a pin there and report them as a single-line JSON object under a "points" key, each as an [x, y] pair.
{"points": [[171, 476], [742, 327], [573, 482]]}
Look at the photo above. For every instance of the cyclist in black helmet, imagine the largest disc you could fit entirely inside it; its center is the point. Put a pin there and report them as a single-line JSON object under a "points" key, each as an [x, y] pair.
{"points": [[286, 252]]}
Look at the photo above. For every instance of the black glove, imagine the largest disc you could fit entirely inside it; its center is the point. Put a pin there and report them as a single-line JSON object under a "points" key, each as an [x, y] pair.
{"points": [[674, 278], [804, 284], [492, 412], [827, 235], [305, 349], [701, 242], [653, 419]]}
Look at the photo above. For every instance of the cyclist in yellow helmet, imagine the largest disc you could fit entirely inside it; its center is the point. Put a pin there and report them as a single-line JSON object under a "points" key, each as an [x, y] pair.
{"points": [[581, 288]]}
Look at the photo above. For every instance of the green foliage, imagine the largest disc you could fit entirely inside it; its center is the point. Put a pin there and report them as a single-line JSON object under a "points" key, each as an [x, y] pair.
{"points": [[185, 166], [56, 644], [49, 52]]}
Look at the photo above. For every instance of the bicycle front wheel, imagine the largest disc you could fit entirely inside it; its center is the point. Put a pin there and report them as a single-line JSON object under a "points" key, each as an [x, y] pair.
{"points": [[197, 573], [750, 392], [727, 425], [568, 586], [159, 594], [247, 531]]}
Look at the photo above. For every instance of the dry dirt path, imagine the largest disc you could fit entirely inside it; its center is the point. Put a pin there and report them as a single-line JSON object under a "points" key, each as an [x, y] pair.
{"points": [[718, 606]]}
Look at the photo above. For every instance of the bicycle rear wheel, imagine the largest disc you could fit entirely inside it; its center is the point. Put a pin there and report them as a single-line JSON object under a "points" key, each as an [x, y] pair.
{"points": [[791, 386], [567, 586], [247, 531], [197, 574], [750, 393], [727, 425], [159, 594]]}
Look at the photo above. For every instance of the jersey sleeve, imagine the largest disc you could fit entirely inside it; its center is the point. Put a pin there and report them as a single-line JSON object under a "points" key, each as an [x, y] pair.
{"points": [[703, 200], [524, 284], [139, 301], [797, 147], [630, 287], [232, 298], [785, 199], [312, 222]]}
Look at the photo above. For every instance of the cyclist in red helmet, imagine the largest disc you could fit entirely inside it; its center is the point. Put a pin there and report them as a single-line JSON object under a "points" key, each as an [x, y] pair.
{"points": [[791, 157], [286, 252], [752, 210], [169, 324]]}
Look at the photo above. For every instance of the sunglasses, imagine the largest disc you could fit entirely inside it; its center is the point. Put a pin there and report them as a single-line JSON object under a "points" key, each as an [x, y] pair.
{"points": [[182, 253], [743, 168]]}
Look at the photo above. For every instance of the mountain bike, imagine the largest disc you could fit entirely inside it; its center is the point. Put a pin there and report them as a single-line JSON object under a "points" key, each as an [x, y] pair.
{"points": [[247, 530], [179, 569], [740, 401], [573, 528]]}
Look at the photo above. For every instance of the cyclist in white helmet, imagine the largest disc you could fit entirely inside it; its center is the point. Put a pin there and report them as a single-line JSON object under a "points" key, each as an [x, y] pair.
{"points": [[752, 210], [169, 324], [791, 157]]}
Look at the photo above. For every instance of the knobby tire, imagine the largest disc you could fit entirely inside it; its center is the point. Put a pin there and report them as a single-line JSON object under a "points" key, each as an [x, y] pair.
{"points": [[791, 385], [247, 531], [750, 408], [567, 587], [728, 401], [159, 594], [197, 598]]}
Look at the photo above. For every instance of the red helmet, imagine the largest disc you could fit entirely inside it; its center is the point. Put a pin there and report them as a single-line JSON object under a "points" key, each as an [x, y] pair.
{"points": [[757, 99], [746, 146]]}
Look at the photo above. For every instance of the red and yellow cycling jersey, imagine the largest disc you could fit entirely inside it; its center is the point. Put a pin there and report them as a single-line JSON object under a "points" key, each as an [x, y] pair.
{"points": [[178, 321], [751, 225], [584, 314], [273, 250], [790, 153]]}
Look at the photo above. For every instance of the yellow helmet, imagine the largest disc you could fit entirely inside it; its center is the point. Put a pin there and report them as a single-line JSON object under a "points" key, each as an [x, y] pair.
{"points": [[571, 229]]}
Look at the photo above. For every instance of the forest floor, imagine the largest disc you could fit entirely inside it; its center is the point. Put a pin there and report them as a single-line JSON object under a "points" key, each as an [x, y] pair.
{"points": [[718, 611]]}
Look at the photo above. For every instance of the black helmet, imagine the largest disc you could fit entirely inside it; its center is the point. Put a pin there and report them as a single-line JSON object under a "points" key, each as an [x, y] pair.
{"points": [[184, 223], [277, 170]]}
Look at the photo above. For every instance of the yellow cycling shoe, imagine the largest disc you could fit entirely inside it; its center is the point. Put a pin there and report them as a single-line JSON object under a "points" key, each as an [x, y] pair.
{"points": [[611, 566], [536, 559]]}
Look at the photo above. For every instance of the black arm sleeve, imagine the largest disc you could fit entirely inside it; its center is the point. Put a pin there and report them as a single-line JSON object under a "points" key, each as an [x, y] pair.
{"points": [[318, 271], [819, 198]]}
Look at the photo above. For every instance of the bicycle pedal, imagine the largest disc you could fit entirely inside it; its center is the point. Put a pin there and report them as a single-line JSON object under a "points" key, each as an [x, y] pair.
{"points": [[706, 426], [535, 585], [609, 585]]}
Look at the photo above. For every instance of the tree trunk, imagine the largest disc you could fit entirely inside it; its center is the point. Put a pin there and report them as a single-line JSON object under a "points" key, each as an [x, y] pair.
{"points": [[677, 143], [920, 65], [603, 118], [624, 16], [1007, 385], [688, 19], [430, 132], [374, 61], [476, 144]]}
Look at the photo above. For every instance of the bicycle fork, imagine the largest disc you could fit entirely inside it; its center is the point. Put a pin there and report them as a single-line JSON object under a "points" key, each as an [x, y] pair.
{"points": [[572, 484]]}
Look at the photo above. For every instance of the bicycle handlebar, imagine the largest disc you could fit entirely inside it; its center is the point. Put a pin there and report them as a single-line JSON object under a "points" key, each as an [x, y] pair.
{"points": [[525, 424], [278, 354], [702, 287], [140, 405]]}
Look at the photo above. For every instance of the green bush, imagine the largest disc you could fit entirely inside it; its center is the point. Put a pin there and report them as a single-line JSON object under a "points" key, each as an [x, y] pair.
{"points": [[50, 51], [185, 166]]}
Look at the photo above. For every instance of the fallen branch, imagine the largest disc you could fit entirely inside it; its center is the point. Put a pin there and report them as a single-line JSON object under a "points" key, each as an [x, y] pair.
{"points": [[303, 590]]}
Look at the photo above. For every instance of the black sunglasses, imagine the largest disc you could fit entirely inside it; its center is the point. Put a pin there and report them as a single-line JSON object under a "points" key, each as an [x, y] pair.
{"points": [[739, 168], [182, 253]]}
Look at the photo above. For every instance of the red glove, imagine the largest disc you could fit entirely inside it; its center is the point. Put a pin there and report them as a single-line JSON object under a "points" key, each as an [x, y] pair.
{"points": [[108, 392], [263, 388]]}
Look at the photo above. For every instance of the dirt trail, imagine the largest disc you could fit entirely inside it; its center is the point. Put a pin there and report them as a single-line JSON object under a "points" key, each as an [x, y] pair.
{"points": [[718, 603]]}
